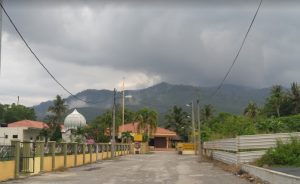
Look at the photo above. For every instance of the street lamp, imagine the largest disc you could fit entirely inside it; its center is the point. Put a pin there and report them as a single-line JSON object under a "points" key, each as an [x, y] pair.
{"points": [[193, 125]]}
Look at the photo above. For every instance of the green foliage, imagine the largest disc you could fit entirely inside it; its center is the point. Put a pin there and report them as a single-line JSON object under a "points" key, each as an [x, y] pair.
{"points": [[228, 125], [147, 119], [176, 120], [283, 154], [12, 113], [271, 125]]}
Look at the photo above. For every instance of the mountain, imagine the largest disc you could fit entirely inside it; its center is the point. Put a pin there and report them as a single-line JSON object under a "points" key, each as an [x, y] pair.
{"points": [[230, 98]]}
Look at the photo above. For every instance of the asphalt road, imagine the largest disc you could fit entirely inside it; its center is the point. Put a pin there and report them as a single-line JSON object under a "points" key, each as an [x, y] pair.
{"points": [[160, 167], [288, 170]]}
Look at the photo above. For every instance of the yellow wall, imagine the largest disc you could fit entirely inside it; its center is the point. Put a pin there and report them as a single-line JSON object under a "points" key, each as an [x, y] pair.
{"points": [[48, 163], [37, 165], [94, 156], [99, 156], [70, 161], [80, 159], [59, 162], [87, 158], [7, 169]]}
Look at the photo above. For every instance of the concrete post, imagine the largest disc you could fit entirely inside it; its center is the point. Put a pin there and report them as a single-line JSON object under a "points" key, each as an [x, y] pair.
{"points": [[102, 151], [16, 143], [65, 149], [91, 153], [52, 151], [40, 147], [83, 152], [97, 152], [75, 144]]}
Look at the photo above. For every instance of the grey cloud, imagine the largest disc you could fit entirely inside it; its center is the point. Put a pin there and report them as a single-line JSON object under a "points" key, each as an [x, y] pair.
{"points": [[191, 42]]}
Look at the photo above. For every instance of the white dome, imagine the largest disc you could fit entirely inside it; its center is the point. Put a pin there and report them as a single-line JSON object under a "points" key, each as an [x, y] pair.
{"points": [[74, 120]]}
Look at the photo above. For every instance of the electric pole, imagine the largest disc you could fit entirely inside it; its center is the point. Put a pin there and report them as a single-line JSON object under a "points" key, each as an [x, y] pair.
{"points": [[113, 140], [199, 133], [193, 127], [123, 106]]}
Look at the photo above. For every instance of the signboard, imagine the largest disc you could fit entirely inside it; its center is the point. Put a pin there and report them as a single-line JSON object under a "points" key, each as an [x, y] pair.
{"points": [[138, 137]]}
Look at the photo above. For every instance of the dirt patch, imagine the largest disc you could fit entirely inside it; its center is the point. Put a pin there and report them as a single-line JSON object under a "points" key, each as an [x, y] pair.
{"points": [[236, 170]]}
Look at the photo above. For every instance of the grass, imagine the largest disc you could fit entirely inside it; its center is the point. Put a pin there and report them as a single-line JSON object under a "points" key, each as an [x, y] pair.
{"points": [[282, 155]]}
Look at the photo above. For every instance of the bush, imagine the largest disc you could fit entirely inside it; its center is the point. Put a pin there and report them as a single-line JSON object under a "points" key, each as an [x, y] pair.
{"points": [[283, 154]]}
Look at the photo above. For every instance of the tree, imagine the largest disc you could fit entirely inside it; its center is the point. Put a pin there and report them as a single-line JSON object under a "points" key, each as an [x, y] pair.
{"points": [[251, 110], [207, 112], [12, 113], [294, 97], [58, 111], [276, 98], [147, 119], [176, 120]]}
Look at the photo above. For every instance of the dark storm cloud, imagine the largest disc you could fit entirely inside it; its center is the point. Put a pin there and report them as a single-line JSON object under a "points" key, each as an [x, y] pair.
{"points": [[188, 42]]}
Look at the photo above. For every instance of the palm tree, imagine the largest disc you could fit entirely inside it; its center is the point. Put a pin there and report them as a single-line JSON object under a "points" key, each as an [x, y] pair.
{"points": [[58, 109], [251, 110], [207, 112], [177, 121], [277, 97], [147, 119], [295, 97]]}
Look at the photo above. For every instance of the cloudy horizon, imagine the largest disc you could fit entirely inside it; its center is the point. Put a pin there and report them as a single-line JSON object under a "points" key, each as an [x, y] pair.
{"points": [[93, 45]]}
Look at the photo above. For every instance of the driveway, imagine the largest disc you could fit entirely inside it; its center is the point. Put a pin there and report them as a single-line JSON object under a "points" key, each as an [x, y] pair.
{"points": [[159, 167]]}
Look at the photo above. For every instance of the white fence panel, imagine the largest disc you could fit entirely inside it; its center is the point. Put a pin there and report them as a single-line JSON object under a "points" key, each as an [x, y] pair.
{"points": [[250, 156], [263, 141], [224, 144], [226, 157]]}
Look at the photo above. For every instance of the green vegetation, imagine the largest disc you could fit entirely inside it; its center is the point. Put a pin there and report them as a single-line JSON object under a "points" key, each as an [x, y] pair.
{"points": [[282, 155], [54, 120], [12, 113], [176, 120]]}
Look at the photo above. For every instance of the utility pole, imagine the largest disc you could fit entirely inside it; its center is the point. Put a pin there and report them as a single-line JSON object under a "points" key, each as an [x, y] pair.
{"points": [[199, 134], [1, 1], [113, 140], [123, 105], [193, 127]]}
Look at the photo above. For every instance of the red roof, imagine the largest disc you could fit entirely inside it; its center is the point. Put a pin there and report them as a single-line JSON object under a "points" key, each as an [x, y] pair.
{"points": [[29, 123], [132, 127]]}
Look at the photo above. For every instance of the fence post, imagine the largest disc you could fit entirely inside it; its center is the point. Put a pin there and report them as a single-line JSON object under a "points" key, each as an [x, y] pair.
{"points": [[237, 149], [97, 152], [52, 151], [65, 147], [16, 143], [41, 153], [91, 153], [75, 153], [83, 152]]}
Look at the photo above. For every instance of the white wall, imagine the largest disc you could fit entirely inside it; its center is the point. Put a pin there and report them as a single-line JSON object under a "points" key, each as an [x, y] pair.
{"points": [[10, 131]]}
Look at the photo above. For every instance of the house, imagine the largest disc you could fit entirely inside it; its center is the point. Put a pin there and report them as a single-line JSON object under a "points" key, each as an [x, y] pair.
{"points": [[25, 130], [161, 139]]}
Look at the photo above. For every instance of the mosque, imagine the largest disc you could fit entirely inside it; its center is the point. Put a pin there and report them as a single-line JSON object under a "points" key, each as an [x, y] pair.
{"points": [[72, 122]]}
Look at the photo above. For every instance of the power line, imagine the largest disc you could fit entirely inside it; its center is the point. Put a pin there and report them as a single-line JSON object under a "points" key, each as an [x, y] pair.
{"points": [[40, 62], [238, 53]]}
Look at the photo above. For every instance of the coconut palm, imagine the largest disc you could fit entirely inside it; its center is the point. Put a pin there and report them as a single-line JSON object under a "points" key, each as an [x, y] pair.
{"points": [[251, 110], [147, 119], [207, 112], [58, 109], [276, 98], [295, 97]]}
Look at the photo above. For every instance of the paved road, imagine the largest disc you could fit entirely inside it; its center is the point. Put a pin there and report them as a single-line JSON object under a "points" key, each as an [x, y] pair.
{"points": [[288, 170], [160, 167]]}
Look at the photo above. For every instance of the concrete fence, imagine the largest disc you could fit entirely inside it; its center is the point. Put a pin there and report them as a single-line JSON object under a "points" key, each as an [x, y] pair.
{"points": [[30, 158], [244, 149]]}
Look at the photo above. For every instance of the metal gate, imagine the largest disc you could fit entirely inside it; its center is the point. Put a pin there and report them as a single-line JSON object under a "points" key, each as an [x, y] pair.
{"points": [[27, 157]]}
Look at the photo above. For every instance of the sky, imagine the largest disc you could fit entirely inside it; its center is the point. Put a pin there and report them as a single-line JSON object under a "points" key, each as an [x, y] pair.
{"points": [[94, 44]]}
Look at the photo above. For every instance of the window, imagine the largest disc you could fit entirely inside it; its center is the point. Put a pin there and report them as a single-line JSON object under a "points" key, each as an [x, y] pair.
{"points": [[6, 136], [15, 136]]}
